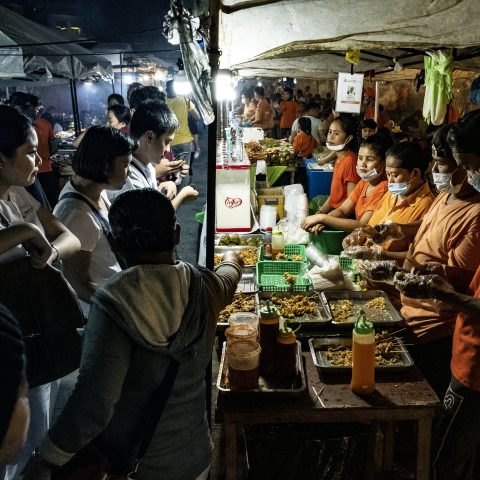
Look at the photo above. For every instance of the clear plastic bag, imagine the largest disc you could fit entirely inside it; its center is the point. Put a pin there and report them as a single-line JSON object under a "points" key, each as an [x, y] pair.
{"points": [[415, 286], [364, 252], [368, 236], [378, 271]]}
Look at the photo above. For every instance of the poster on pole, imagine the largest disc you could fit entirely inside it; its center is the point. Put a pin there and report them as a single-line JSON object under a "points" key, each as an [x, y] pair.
{"points": [[349, 92]]}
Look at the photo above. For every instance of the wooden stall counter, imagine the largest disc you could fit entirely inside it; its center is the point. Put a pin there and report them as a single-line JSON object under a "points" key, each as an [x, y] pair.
{"points": [[398, 397]]}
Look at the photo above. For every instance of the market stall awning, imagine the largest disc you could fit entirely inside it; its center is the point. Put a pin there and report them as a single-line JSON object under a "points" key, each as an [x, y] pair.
{"points": [[11, 59], [45, 50], [296, 29]]}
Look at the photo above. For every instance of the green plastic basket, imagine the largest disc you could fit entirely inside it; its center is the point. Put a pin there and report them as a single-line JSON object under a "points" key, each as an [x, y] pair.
{"points": [[270, 276], [329, 241], [290, 249], [346, 263]]}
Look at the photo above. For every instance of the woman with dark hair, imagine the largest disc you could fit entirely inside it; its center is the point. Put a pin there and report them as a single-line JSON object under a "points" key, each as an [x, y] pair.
{"points": [[27, 228], [340, 140], [304, 143], [100, 163], [249, 105], [155, 314], [115, 99], [365, 196], [119, 116]]}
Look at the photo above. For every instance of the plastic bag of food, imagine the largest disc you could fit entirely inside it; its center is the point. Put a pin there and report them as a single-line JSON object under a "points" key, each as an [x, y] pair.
{"points": [[415, 286], [378, 271], [364, 252]]}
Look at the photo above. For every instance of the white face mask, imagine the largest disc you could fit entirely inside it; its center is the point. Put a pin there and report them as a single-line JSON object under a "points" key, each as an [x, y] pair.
{"points": [[368, 175], [442, 180], [336, 148], [475, 181], [398, 188]]}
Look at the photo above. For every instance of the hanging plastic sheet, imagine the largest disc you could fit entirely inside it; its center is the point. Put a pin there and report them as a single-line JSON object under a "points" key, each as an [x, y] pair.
{"points": [[181, 28], [438, 82], [11, 59]]}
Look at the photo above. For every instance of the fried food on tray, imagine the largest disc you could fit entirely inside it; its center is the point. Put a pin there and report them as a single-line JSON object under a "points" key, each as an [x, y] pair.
{"points": [[248, 256], [295, 305], [289, 278], [342, 310], [217, 260], [241, 303], [377, 303], [345, 310]]}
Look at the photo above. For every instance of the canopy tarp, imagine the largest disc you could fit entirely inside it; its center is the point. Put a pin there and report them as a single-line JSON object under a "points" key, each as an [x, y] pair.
{"points": [[293, 33], [41, 55], [10, 65]]}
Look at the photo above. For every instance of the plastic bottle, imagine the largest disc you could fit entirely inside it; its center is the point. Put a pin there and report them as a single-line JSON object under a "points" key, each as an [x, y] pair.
{"points": [[269, 323], [267, 244], [363, 358], [286, 352], [278, 244], [261, 175]]}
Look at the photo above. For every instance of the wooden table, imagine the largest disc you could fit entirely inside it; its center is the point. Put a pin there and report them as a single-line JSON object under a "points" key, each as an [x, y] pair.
{"points": [[398, 397]]}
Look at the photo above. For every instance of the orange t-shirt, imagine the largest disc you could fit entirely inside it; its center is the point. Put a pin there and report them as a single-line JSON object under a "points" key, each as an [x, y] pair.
{"points": [[44, 133], [289, 113], [410, 210], [303, 144], [450, 235], [262, 114], [465, 363], [344, 171], [364, 203]]}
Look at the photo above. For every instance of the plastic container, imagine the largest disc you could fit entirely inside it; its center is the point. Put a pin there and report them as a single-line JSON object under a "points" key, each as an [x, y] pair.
{"points": [[269, 325], [291, 249], [286, 352], [243, 318], [267, 244], [272, 197], [268, 216], [278, 243], [243, 360], [363, 357], [271, 276], [241, 332], [319, 181], [329, 241]]}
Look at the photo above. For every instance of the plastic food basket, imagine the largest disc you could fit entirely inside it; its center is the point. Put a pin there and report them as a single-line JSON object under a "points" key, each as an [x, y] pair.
{"points": [[290, 250], [270, 276]]}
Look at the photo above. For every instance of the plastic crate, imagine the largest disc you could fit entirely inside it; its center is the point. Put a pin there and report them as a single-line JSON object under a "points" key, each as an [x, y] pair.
{"points": [[270, 276], [290, 249]]}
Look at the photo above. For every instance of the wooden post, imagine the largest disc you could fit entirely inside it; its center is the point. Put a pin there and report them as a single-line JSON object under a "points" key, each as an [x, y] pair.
{"points": [[377, 101]]}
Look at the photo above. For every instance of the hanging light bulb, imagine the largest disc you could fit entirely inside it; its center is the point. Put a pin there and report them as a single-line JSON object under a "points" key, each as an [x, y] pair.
{"points": [[224, 86], [181, 84]]}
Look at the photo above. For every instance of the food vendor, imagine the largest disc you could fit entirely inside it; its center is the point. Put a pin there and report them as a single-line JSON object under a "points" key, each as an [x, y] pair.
{"points": [[447, 239], [263, 110], [340, 136], [249, 105], [365, 196]]}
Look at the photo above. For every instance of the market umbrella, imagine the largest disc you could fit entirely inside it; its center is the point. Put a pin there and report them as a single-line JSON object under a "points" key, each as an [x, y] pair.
{"points": [[181, 28]]}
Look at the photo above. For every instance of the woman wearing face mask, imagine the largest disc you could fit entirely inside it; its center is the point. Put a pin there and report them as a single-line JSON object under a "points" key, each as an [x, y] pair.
{"points": [[365, 196], [443, 162], [339, 140]]}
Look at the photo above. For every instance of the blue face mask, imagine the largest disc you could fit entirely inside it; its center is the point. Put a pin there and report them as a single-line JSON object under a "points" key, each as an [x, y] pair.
{"points": [[475, 181], [398, 188]]}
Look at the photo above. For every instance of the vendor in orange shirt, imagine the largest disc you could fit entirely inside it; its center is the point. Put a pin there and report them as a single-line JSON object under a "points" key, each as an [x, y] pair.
{"points": [[365, 196], [456, 456], [340, 136], [249, 105], [288, 110], [263, 111], [304, 143]]}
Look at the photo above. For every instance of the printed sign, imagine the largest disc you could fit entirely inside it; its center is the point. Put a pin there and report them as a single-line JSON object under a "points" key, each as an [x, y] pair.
{"points": [[349, 92]]}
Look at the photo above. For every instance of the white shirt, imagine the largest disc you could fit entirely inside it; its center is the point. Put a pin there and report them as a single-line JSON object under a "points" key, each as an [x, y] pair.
{"points": [[141, 176], [20, 207], [79, 218]]}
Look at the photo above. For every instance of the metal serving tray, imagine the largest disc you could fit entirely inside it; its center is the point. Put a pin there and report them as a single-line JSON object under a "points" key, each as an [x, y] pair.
{"points": [[359, 299], [320, 317], [255, 308], [247, 283], [318, 347], [246, 268], [265, 385], [256, 236]]}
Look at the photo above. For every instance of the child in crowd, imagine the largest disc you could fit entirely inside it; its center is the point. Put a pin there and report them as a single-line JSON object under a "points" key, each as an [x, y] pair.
{"points": [[304, 144]]}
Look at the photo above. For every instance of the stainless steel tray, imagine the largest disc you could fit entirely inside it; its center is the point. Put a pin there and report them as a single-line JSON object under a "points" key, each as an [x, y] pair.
{"points": [[265, 385], [222, 250], [247, 283], [320, 317], [254, 310], [359, 299], [319, 346]]}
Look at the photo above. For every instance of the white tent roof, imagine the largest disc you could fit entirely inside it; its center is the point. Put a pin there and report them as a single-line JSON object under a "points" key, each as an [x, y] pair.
{"points": [[292, 36], [11, 58]]}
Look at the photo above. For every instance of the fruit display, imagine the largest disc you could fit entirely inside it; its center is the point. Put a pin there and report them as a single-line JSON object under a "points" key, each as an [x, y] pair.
{"points": [[235, 240], [274, 152]]}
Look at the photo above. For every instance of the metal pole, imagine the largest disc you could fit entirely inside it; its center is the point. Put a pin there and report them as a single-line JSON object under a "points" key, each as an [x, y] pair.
{"points": [[377, 101], [73, 94], [121, 74], [113, 83]]}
